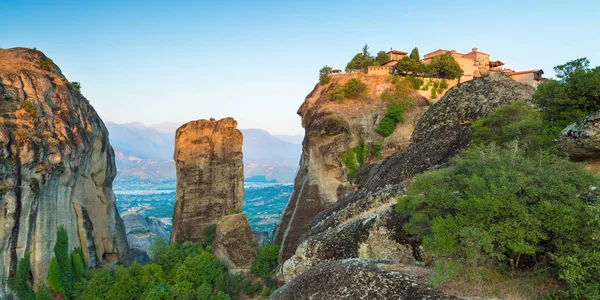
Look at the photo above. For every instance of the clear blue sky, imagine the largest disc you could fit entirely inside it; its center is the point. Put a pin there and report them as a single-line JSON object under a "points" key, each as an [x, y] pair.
{"points": [[156, 61]]}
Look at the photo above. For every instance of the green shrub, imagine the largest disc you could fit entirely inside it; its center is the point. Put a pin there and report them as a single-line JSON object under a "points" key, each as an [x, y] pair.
{"points": [[443, 271], [376, 150], [29, 108], [445, 66], [393, 115], [233, 211], [415, 82], [251, 289], [325, 75], [228, 284], [42, 293], [514, 121], [507, 206], [78, 264], [74, 86], [19, 282], [266, 260], [443, 84], [209, 234], [45, 63], [354, 88], [354, 158], [267, 291], [337, 94], [221, 296], [569, 99]]}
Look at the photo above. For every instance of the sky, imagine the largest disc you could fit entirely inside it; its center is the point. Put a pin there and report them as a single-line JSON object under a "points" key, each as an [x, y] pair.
{"points": [[157, 61]]}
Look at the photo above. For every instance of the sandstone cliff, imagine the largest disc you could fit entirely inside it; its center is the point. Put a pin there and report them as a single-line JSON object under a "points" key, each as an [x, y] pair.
{"points": [[141, 231], [56, 168], [363, 224], [210, 176], [331, 128]]}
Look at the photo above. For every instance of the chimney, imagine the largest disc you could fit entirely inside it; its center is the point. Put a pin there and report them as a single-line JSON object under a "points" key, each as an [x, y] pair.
{"points": [[474, 49]]}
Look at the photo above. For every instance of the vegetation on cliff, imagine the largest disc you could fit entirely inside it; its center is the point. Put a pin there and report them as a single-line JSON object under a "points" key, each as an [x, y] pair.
{"points": [[361, 61], [353, 89], [573, 96]]}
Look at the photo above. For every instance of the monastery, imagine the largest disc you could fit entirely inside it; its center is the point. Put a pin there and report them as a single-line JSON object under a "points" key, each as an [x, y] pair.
{"points": [[474, 64]]}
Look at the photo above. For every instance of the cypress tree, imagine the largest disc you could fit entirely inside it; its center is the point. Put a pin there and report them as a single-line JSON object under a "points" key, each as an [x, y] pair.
{"points": [[19, 282]]}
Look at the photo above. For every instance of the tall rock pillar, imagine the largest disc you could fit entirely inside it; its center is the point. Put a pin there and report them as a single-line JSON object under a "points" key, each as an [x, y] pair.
{"points": [[210, 176]]}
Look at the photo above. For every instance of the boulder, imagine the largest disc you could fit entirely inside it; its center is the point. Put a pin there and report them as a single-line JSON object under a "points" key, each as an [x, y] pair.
{"points": [[210, 176], [141, 232], [234, 243], [580, 141], [359, 279]]}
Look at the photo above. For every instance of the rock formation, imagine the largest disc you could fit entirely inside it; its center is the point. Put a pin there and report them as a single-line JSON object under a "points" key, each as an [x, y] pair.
{"points": [[210, 176], [262, 237], [141, 231], [360, 279], [56, 168], [581, 141], [235, 244], [363, 224], [330, 129]]}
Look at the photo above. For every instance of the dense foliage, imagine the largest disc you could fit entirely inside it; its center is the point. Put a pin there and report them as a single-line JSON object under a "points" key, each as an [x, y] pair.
{"points": [[354, 158], [574, 95], [515, 121], [361, 61], [266, 260], [353, 89], [414, 54], [393, 115], [325, 75], [60, 271], [444, 66], [381, 58], [19, 282]]}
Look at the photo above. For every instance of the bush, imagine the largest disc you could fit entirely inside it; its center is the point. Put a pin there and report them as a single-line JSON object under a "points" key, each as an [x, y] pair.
{"points": [[78, 264], [19, 282], [354, 158], [45, 63], [393, 115], [337, 94], [569, 99], [415, 82], [251, 289], [267, 291], [443, 84], [515, 121], [354, 88], [43, 293], [74, 86], [228, 284], [376, 150], [233, 211], [29, 108], [325, 75], [506, 206], [209, 234], [266, 260]]}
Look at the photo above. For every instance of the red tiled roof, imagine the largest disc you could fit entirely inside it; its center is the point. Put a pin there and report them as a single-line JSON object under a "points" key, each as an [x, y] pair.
{"points": [[434, 53], [524, 72], [397, 52]]}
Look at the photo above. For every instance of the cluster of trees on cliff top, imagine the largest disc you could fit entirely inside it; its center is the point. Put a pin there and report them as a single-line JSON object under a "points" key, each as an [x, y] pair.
{"points": [[188, 271], [442, 66], [509, 209]]}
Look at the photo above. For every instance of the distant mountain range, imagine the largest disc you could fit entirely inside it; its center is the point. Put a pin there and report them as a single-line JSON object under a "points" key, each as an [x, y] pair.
{"points": [[146, 152]]}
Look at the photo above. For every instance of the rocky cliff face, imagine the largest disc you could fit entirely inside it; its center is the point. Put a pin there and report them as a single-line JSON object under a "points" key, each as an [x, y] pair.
{"points": [[363, 224], [141, 231], [210, 176], [331, 128], [581, 141], [235, 244], [56, 168]]}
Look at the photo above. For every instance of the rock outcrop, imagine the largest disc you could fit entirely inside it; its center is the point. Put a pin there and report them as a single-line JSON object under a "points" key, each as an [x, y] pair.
{"points": [[359, 279], [581, 141], [56, 168], [363, 224], [210, 176], [235, 244], [262, 237], [141, 231], [331, 128]]}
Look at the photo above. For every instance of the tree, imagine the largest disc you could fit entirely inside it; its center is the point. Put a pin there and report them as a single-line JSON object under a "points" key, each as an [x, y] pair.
{"points": [[571, 98], [266, 260], [19, 282], [361, 61], [445, 66], [354, 88], [515, 121], [502, 205], [381, 58], [325, 75], [60, 270], [414, 54], [407, 66]]}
